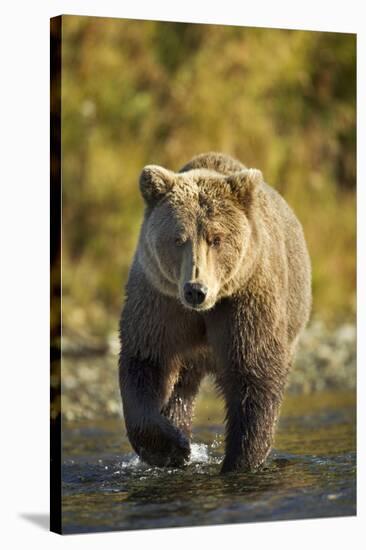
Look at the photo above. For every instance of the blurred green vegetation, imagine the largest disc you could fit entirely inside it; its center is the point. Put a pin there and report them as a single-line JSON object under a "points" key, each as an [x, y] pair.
{"points": [[139, 92]]}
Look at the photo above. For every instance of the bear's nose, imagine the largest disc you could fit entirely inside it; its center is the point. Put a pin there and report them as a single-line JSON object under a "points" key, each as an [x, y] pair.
{"points": [[195, 293]]}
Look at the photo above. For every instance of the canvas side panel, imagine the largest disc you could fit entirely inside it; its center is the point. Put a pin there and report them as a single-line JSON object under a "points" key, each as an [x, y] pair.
{"points": [[55, 269]]}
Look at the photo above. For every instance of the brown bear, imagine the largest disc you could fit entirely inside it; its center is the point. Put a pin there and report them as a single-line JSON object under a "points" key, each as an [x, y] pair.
{"points": [[220, 284]]}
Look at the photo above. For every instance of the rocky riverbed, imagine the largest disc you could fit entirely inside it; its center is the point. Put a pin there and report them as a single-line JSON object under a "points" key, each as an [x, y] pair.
{"points": [[326, 360]]}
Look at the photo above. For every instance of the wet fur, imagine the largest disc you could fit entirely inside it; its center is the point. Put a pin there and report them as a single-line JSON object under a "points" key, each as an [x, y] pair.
{"points": [[246, 339]]}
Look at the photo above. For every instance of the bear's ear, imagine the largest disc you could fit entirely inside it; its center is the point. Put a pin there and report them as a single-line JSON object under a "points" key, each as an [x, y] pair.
{"points": [[155, 182], [244, 185]]}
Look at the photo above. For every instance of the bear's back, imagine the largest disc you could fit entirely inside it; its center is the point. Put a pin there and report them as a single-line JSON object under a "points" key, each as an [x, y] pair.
{"points": [[216, 162]]}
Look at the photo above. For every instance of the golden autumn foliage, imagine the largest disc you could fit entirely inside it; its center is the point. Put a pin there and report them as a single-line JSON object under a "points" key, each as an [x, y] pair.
{"points": [[143, 92]]}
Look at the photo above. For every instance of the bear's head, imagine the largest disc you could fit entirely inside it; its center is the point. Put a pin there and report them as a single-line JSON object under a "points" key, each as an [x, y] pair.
{"points": [[198, 235]]}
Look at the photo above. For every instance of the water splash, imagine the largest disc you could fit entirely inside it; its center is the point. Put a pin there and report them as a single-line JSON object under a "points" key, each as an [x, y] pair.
{"points": [[199, 453], [133, 461]]}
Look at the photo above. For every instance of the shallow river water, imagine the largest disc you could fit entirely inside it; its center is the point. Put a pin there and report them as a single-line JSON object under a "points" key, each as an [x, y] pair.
{"points": [[311, 472]]}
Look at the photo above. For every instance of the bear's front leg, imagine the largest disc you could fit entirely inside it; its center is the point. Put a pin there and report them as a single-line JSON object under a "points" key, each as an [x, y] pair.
{"points": [[251, 345], [252, 409], [152, 435]]}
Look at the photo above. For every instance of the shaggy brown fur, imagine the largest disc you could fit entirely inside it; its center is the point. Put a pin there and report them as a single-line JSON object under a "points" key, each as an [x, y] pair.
{"points": [[218, 226]]}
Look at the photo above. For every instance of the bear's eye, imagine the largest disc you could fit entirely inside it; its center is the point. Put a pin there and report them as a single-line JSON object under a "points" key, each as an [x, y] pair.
{"points": [[215, 241], [179, 241]]}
